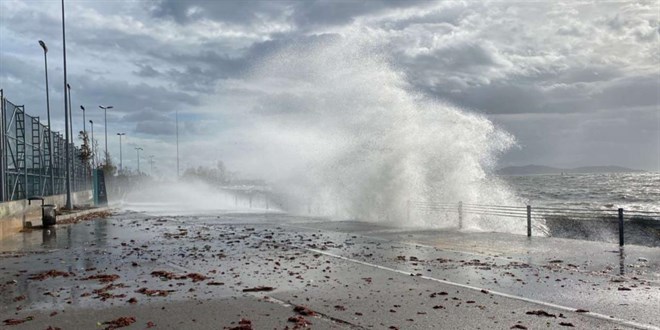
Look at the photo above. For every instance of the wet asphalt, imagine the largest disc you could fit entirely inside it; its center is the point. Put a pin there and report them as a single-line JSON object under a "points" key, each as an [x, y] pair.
{"points": [[251, 270]]}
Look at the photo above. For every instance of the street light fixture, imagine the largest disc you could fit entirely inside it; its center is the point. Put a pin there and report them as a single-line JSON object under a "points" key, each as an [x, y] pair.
{"points": [[121, 167], [50, 131], [138, 158], [105, 112]]}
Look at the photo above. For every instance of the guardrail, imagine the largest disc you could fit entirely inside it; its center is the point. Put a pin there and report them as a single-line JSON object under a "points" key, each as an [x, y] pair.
{"points": [[531, 213]]}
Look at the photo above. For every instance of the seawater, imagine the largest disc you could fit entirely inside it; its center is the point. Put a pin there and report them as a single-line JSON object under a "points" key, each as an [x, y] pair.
{"points": [[639, 191]]}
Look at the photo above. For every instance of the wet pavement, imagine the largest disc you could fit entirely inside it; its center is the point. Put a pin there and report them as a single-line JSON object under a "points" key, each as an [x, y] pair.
{"points": [[214, 271]]}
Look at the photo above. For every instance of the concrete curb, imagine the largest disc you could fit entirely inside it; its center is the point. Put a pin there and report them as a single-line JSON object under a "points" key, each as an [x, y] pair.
{"points": [[75, 215]]}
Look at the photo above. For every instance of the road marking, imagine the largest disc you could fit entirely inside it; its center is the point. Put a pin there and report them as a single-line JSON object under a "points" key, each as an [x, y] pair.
{"points": [[496, 293]]}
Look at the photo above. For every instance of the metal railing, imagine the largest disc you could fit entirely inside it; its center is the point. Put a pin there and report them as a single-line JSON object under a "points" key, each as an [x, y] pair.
{"points": [[534, 216], [25, 154]]}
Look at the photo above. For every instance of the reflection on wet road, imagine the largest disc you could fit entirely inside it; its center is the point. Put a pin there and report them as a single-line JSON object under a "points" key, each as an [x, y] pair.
{"points": [[352, 274]]}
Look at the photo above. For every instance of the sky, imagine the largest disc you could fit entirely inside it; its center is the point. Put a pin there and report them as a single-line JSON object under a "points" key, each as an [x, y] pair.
{"points": [[576, 83]]}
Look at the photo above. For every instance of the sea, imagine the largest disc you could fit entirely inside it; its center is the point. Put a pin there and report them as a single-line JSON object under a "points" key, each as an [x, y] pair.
{"points": [[638, 191]]}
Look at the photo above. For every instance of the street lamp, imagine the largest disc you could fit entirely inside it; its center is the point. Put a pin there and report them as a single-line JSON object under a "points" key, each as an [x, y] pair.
{"points": [[73, 138], [151, 164], [177, 144], [50, 134], [138, 158], [120, 156], [105, 112], [84, 121], [91, 122], [69, 203]]}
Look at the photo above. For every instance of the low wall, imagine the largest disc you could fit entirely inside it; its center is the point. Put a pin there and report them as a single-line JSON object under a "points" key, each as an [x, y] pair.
{"points": [[14, 215]]}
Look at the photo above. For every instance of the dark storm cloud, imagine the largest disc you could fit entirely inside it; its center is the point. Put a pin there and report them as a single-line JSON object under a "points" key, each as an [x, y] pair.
{"points": [[328, 12], [155, 128], [544, 64], [631, 92], [146, 70], [130, 99], [242, 12], [303, 13]]}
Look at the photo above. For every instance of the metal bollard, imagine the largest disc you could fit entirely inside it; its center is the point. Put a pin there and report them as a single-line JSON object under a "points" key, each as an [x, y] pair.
{"points": [[460, 215], [620, 227], [529, 221]]}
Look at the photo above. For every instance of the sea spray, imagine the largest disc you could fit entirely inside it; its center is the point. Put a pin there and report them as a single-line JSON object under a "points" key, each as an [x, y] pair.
{"points": [[343, 134]]}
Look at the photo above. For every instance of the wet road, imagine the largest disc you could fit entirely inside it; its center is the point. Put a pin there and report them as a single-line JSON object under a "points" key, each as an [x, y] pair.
{"points": [[191, 272]]}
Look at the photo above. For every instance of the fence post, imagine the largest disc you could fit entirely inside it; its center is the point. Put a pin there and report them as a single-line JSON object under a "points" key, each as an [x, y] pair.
{"points": [[460, 215], [2, 145], [408, 211], [529, 221], [620, 227]]}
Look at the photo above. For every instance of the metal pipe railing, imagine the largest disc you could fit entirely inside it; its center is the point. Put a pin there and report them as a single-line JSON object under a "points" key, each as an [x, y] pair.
{"points": [[531, 213]]}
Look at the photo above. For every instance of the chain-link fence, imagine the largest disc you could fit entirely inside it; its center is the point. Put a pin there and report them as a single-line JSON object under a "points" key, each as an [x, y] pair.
{"points": [[28, 164]]}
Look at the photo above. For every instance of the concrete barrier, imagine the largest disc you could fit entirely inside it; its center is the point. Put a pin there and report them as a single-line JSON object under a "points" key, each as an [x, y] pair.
{"points": [[15, 215]]}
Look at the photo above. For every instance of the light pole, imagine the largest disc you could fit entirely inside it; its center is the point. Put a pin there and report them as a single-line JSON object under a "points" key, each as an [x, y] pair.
{"points": [[120, 154], [105, 112], [69, 203], [73, 139], [84, 121], [50, 132], [91, 122], [151, 165], [177, 143], [138, 158]]}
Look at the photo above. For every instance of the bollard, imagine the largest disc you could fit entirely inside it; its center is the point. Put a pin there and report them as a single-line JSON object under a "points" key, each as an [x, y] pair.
{"points": [[460, 215], [620, 227], [529, 221]]}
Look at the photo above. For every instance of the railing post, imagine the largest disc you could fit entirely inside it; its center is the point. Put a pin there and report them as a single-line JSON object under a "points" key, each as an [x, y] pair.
{"points": [[620, 227], [529, 221], [408, 211], [460, 215]]}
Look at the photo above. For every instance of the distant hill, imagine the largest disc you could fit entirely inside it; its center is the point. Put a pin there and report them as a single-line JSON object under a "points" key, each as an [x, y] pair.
{"points": [[539, 169]]}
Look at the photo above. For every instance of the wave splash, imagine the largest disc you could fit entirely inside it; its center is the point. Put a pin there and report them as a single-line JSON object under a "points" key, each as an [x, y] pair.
{"points": [[344, 134]]}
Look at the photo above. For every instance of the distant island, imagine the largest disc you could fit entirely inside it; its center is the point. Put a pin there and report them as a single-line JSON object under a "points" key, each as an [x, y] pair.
{"points": [[539, 169]]}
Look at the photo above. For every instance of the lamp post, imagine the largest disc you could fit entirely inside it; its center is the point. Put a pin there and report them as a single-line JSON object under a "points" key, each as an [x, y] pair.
{"points": [[121, 167], [177, 143], [84, 121], [50, 134], [138, 158], [151, 165], [105, 112], [73, 144], [69, 203], [91, 122]]}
